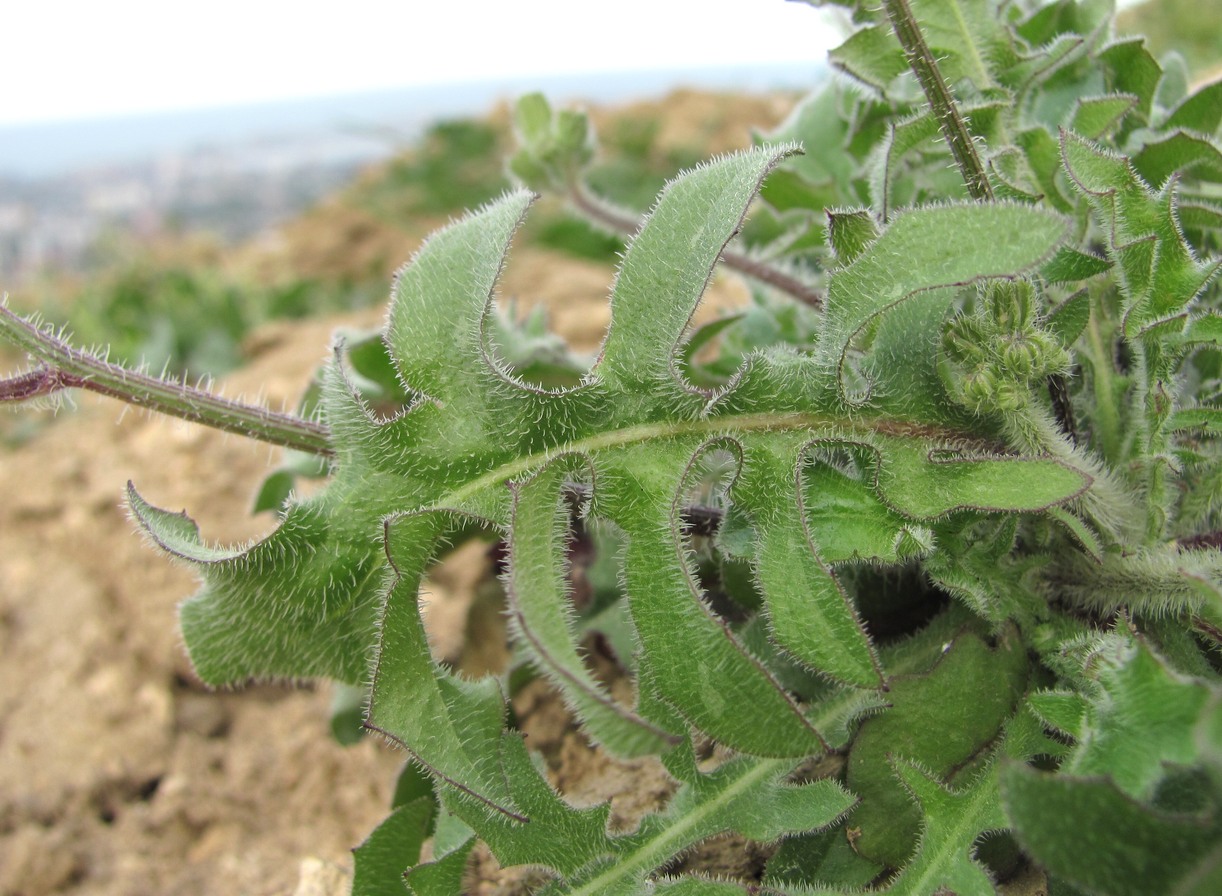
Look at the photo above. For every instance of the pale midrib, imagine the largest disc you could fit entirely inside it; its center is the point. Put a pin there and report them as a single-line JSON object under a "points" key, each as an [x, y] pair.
{"points": [[972, 53], [952, 846], [632, 435], [651, 854], [659, 849]]}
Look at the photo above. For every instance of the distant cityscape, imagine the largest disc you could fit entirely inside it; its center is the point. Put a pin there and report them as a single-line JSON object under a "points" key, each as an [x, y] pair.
{"points": [[234, 191], [236, 172]]}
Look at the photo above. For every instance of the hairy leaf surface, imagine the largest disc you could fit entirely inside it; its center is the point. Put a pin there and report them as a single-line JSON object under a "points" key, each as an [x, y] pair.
{"points": [[804, 456]]}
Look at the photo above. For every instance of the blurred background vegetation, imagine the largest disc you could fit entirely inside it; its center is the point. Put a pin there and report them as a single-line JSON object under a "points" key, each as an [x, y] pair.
{"points": [[1192, 28]]}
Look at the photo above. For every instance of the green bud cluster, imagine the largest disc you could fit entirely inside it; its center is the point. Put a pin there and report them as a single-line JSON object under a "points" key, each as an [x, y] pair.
{"points": [[994, 349]]}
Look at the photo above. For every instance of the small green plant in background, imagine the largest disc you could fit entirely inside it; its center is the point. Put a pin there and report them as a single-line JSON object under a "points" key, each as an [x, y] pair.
{"points": [[183, 317], [916, 564]]}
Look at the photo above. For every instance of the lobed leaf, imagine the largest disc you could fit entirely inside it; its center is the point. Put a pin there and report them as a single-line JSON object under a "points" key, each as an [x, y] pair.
{"points": [[810, 476], [542, 616], [450, 725], [1139, 723], [743, 795], [1145, 818], [1160, 273], [250, 621], [381, 861]]}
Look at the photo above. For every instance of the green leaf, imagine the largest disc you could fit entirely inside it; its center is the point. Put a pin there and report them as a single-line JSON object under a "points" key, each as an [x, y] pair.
{"points": [[541, 614], [944, 861], [1159, 271], [827, 857], [1089, 832], [914, 162], [940, 247], [1069, 319], [938, 720], [1044, 160], [954, 819], [1130, 68], [380, 863], [965, 36], [794, 467], [850, 233], [1139, 723], [846, 516], [1095, 116], [1201, 112], [1205, 330], [976, 564], [699, 374], [533, 117], [450, 725], [871, 55], [1126, 812], [675, 249], [1178, 152], [1070, 266], [1207, 419], [455, 273], [1065, 711], [692, 659], [822, 176], [556, 145], [810, 616], [323, 623], [441, 877], [744, 796]]}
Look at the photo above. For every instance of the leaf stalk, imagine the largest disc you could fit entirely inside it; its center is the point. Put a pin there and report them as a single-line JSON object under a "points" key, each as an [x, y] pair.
{"points": [[64, 367], [609, 218]]}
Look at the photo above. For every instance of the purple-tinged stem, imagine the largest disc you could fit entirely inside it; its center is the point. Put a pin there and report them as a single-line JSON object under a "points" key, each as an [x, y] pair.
{"points": [[64, 367]]}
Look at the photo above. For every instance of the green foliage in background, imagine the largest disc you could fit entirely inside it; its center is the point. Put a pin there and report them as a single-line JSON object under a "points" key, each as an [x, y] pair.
{"points": [[457, 165], [913, 568], [1187, 27], [187, 320]]}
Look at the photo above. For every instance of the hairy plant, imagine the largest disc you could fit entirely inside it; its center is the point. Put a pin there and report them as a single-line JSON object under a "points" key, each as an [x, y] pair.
{"points": [[916, 564]]}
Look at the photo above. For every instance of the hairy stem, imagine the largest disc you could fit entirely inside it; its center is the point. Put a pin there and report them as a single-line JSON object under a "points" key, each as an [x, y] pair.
{"points": [[1108, 428], [64, 367], [1203, 541], [602, 214], [929, 76]]}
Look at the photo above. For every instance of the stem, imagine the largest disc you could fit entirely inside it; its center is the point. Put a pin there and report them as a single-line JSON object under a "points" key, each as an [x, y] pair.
{"points": [[602, 214], [1107, 425], [925, 67], [1204, 541], [1062, 407], [64, 367]]}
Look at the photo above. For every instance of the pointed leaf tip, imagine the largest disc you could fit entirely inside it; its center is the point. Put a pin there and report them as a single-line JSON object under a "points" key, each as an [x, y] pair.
{"points": [[673, 255], [434, 328]]}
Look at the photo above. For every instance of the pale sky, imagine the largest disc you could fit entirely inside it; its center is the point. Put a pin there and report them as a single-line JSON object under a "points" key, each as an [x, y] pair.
{"points": [[64, 59]]}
